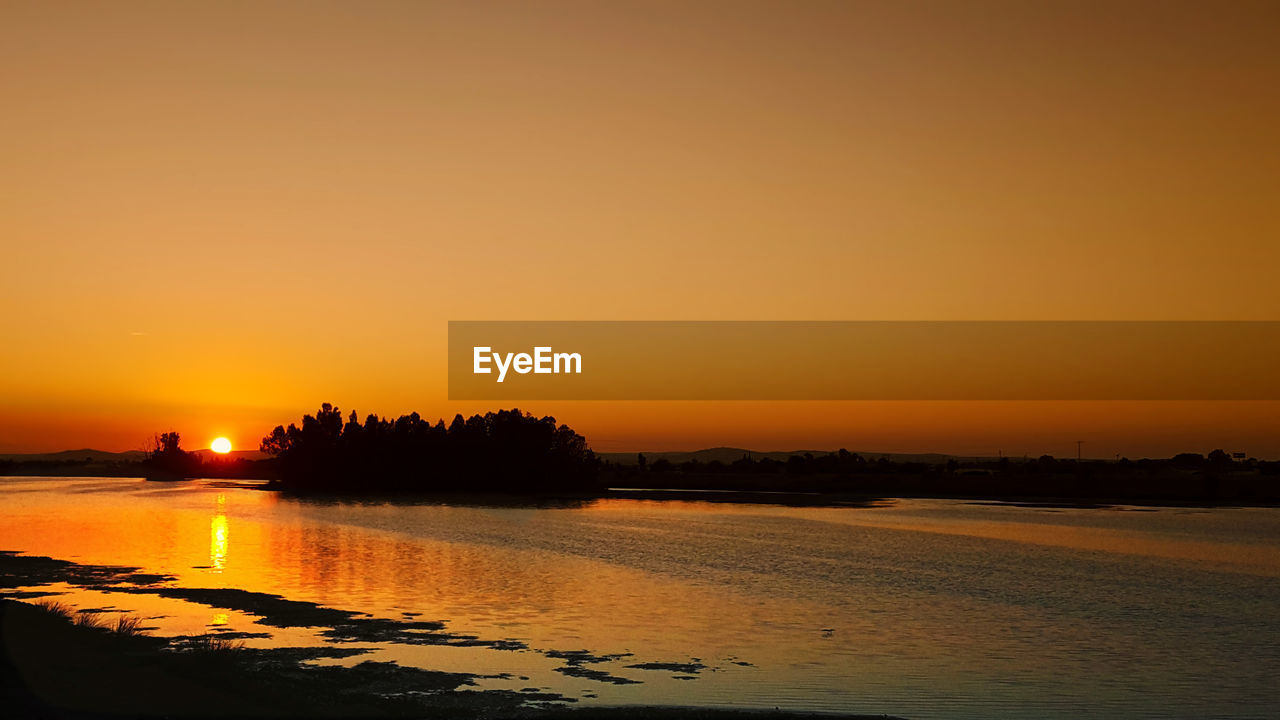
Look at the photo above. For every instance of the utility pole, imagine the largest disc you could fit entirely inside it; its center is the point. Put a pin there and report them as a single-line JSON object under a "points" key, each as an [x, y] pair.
{"points": [[1078, 444]]}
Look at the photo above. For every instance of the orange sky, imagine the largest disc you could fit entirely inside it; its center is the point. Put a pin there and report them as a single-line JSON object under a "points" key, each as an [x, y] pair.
{"points": [[215, 216]]}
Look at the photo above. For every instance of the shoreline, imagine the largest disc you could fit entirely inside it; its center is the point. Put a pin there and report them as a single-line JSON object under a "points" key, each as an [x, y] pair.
{"points": [[53, 667], [803, 478], [691, 494]]}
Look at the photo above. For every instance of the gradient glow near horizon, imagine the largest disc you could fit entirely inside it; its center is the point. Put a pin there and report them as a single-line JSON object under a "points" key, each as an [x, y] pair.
{"points": [[216, 216]]}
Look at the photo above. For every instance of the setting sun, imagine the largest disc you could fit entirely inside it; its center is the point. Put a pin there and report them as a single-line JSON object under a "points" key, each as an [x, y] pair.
{"points": [[220, 445]]}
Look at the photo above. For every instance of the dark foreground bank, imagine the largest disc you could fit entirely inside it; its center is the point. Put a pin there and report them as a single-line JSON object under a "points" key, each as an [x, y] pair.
{"points": [[56, 662], [52, 667]]}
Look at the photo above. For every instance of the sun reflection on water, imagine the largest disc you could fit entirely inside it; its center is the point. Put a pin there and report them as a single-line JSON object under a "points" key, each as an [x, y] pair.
{"points": [[219, 536]]}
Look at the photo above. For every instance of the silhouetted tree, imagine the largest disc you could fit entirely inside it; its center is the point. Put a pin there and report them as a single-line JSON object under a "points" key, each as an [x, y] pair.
{"points": [[1188, 460], [166, 458], [508, 451], [1220, 458]]}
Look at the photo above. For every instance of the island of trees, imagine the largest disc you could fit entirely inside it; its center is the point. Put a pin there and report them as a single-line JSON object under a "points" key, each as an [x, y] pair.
{"points": [[504, 451]]}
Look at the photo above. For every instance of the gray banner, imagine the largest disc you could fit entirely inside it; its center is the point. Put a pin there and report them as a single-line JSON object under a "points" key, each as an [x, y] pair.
{"points": [[715, 360]]}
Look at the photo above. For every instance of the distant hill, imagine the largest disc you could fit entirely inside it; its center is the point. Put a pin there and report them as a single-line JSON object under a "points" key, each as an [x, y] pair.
{"points": [[727, 455], [99, 456], [77, 456]]}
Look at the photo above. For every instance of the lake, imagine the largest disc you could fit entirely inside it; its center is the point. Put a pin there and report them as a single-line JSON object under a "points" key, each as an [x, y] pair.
{"points": [[915, 608]]}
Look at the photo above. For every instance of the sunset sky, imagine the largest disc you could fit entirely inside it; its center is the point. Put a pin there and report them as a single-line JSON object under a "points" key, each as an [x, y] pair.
{"points": [[215, 216]]}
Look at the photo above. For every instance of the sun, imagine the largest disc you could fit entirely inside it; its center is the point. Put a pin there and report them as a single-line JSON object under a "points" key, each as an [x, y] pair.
{"points": [[221, 446]]}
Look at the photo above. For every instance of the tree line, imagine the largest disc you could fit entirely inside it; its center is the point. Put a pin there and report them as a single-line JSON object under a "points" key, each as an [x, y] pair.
{"points": [[1186, 477], [507, 451]]}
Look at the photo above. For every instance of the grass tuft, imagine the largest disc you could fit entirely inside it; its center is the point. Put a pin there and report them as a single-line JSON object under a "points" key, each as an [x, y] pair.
{"points": [[124, 624], [128, 625], [214, 644], [56, 608], [90, 620]]}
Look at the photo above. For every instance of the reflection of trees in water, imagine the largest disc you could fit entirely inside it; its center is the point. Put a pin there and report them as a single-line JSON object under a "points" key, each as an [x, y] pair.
{"points": [[337, 563], [452, 499]]}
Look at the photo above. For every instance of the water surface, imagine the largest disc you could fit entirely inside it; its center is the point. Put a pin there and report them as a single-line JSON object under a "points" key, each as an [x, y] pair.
{"points": [[918, 608]]}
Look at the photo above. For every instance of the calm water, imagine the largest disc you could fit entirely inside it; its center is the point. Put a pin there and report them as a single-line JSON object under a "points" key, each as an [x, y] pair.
{"points": [[920, 608]]}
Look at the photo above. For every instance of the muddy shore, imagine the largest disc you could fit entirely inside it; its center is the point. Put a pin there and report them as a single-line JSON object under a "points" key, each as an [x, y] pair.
{"points": [[56, 662]]}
